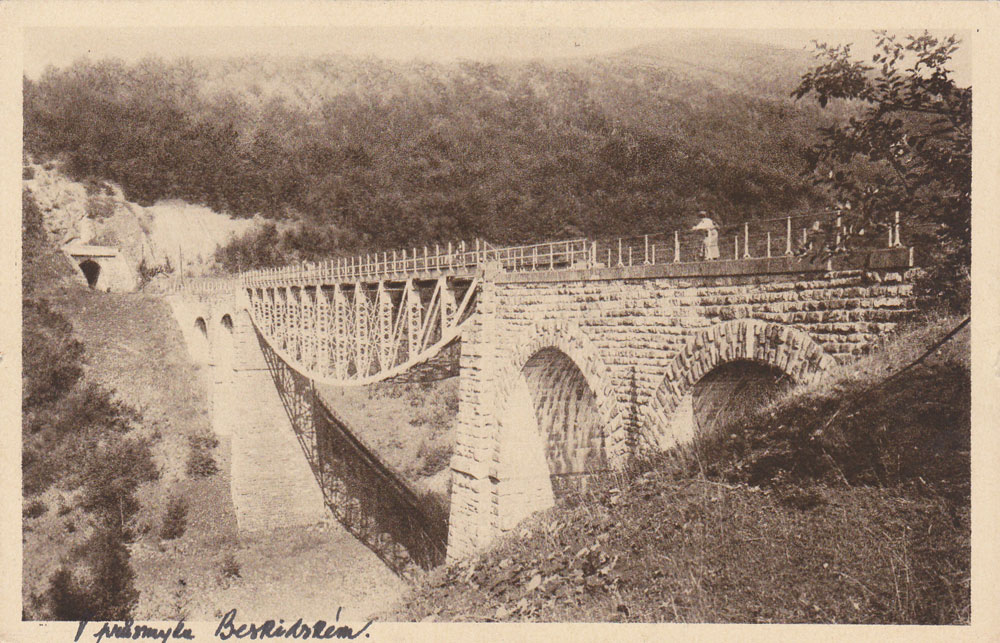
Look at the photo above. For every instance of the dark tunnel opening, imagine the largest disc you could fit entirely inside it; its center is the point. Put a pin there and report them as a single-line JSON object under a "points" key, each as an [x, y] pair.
{"points": [[92, 271]]}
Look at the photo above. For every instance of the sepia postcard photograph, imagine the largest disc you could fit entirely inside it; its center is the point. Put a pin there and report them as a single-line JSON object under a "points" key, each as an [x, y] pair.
{"points": [[484, 321]]}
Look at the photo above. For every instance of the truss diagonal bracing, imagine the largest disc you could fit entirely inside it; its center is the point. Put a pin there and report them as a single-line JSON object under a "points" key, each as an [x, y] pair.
{"points": [[350, 334]]}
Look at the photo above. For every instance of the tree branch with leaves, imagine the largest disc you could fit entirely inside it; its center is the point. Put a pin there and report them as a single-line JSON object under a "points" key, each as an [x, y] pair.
{"points": [[908, 149]]}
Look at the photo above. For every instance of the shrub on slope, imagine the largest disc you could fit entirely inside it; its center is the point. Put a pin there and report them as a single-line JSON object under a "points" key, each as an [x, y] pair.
{"points": [[76, 437], [856, 516], [43, 267]]}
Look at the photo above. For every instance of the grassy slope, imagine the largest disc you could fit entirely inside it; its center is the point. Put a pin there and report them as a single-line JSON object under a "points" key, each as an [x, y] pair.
{"points": [[691, 541], [133, 346], [411, 426]]}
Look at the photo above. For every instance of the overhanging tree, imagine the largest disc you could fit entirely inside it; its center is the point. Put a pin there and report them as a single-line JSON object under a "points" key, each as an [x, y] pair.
{"points": [[909, 150]]}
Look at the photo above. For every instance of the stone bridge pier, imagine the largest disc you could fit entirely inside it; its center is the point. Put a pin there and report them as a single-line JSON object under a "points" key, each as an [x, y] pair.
{"points": [[271, 483], [570, 372]]}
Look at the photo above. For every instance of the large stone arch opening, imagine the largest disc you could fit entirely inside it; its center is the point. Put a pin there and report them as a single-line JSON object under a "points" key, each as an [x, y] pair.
{"points": [[91, 271], [724, 369], [556, 423], [725, 393]]}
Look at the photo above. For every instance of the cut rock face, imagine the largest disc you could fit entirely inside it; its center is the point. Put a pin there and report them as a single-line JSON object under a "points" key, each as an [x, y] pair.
{"points": [[158, 236]]}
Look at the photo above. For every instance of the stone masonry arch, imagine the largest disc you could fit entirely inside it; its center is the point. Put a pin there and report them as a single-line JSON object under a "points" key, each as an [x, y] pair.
{"points": [[201, 342], [555, 419], [784, 347], [555, 346], [222, 341]]}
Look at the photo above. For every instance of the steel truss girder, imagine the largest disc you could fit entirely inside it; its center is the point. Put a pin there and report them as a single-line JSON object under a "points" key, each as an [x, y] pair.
{"points": [[358, 333]]}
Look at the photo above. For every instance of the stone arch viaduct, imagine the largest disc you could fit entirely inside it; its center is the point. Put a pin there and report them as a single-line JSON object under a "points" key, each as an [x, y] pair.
{"points": [[568, 366]]}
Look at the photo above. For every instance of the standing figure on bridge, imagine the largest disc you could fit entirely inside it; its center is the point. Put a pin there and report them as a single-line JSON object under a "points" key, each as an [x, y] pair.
{"points": [[710, 245]]}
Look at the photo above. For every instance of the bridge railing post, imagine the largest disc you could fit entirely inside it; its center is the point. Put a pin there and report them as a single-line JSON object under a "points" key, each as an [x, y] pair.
{"points": [[677, 246], [788, 237]]}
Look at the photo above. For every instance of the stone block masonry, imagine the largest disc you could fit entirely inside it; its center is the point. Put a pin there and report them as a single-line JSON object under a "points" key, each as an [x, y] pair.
{"points": [[271, 482], [605, 357]]}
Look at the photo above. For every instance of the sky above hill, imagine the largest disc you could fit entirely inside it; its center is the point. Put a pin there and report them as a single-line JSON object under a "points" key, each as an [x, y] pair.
{"points": [[59, 46]]}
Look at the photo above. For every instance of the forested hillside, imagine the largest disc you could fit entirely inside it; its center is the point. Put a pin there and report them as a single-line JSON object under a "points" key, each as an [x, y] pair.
{"points": [[370, 154], [84, 456]]}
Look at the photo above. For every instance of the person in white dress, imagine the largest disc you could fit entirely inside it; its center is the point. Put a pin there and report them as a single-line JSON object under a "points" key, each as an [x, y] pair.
{"points": [[710, 244]]}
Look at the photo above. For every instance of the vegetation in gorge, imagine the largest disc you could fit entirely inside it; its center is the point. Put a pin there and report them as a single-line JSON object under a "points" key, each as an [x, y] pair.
{"points": [[82, 443], [348, 155]]}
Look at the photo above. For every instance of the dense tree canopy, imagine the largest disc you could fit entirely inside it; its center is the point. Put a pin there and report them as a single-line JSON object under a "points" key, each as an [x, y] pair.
{"points": [[376, 154]]}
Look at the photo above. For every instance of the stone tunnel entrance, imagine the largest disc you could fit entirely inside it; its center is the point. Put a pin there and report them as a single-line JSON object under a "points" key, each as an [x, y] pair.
{"points": [[550, 432], [726, 392], [92, 271]]}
